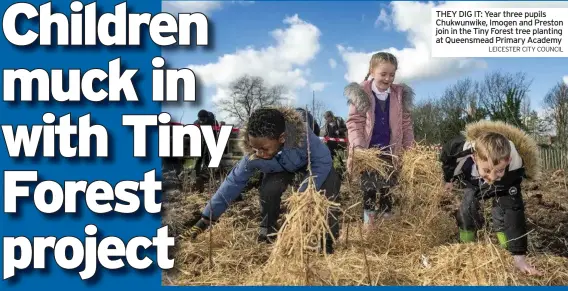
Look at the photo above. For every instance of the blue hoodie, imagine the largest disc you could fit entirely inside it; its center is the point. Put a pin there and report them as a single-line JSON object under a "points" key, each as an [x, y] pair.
{"points": [[292, 158]]}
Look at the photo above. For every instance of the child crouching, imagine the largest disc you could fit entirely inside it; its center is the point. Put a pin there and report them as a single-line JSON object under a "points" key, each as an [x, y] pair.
{"points": [[491, 160], [276, 142]]}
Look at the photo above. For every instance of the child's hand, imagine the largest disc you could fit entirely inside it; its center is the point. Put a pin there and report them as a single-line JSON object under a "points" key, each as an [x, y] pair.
{"points": [[197, 229], [448, 187], [523, 266]]}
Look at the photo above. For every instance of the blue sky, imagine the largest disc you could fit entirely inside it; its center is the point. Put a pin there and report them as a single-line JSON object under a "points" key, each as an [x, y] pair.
{"points": [[310, 34]]}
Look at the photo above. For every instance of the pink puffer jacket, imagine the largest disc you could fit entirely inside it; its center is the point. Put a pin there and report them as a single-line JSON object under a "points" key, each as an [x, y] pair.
{"points": [[362, 116]]}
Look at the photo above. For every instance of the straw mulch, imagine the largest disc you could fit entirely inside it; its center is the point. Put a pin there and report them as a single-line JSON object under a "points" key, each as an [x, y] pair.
{"points": [[301, 237], [420, 221], [350, 265], [485, 264], [305, 226], [418, 246], [370, 160], [180, 210], [224, 255], [547, 214], [421, 178]]}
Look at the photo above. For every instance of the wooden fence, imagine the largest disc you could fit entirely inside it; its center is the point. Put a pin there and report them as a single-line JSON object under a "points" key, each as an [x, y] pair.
{"points": [[553, 158]]}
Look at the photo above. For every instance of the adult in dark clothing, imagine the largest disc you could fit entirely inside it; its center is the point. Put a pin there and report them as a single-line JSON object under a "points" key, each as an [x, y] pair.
{"points": [[171, 169], [204, 118], [313, 124], [335, 127], [173, 164]]}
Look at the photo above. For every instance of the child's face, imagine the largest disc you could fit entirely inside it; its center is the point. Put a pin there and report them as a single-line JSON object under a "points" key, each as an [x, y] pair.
{"points": [[266, 148], [383, 74], [489, 172]]}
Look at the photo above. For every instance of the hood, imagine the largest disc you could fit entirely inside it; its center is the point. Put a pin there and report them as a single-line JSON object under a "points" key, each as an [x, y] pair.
{"points": [[358, 95], [525, 145], [295, 130]]}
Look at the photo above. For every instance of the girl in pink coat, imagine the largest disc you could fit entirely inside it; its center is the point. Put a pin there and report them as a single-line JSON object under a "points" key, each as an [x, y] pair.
{"points": [[379, 116]]}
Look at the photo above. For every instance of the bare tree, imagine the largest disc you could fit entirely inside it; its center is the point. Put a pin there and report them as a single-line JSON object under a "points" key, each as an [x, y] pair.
{"points": [[249, 93], [503, 94], [427, 118], [439, 120], [459, 106], [317, 108], [535, 125], [557, 102]]}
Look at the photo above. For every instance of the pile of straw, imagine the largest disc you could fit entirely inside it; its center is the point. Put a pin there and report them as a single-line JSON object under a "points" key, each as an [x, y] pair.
{"points": [[405, 234], [227, 254], [411, 249], [485, 264], [370, 160], [418, 246], [421, 178], [547, 214], [301, 237], [180, 210], [351, 266]]}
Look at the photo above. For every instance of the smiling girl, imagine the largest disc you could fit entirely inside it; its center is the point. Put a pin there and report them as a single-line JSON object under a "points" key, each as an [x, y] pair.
{"points": [[379, 116]]}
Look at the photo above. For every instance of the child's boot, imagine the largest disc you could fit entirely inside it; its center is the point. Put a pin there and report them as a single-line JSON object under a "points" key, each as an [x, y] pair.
{"points": [[328, 248], [264, 236], [502, 238], [467, 236]]}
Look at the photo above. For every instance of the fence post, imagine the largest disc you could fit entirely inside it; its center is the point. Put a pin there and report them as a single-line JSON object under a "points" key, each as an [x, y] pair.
{"points": [[553, 159]]}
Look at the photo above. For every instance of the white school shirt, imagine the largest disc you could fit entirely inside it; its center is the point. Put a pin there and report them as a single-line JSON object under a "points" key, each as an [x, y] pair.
{"points": [[380, 95]]}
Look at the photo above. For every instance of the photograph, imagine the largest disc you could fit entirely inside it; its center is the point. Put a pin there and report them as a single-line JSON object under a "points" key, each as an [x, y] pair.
{"points": [[372, 144]]}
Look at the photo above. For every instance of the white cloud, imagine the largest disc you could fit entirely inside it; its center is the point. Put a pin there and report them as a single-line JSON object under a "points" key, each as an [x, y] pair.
{"points": [[318, 86], [244, 3], [384, 19], [204, 7], [415, 63], [565, 79], [280, 64], [542, 112], [332, 63]]}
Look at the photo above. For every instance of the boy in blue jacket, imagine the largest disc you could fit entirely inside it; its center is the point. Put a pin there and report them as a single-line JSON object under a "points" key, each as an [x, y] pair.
{"points": [[275, 142]]}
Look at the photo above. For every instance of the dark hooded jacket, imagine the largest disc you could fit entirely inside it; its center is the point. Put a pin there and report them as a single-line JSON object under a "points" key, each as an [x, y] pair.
{"points": [[457, 162], [310, 120], [336, 129]]}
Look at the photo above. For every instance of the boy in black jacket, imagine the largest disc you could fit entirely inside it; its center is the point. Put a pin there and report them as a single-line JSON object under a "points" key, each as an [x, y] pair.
{"points": [[491, 161]]}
